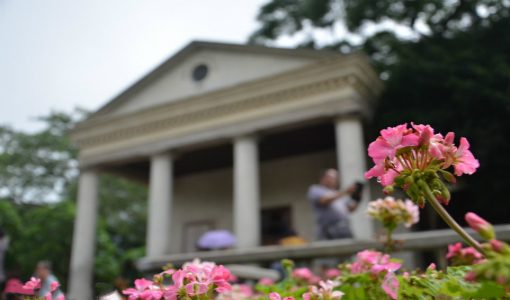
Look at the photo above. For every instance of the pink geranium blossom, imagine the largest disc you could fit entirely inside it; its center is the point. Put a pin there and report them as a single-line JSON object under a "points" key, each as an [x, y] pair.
{"points": [[374, 262], [325, 292], [463, 256], [302, 273], [266, 281], [465, 162], [390, 285], [276, 296], [54, 285], [408, 157], [32, 284], [333, 273], [143, 291]]}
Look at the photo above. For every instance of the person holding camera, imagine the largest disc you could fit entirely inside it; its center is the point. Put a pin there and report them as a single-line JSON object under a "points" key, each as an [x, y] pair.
{"points": [[332, 206]]}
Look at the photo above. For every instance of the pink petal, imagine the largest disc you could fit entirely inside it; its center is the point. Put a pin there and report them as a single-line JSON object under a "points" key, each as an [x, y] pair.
{"points": [[388, 178], [380, 149], [376, 171], [410, 140], [449, 138], [464, 145], [275, 296], [394, 135], [390, 285], [142, 284]]}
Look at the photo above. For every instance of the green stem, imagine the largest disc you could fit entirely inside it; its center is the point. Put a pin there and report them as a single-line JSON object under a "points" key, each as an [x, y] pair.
{"points": [[451, 222], [389, 242]]}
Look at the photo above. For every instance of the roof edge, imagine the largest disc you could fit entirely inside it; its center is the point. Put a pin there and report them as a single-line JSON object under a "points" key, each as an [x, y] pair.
{"points": [[201, 45]]}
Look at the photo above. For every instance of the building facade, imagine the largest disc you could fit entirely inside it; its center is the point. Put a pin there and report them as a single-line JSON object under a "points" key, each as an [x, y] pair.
{"points": [[226, 135]]}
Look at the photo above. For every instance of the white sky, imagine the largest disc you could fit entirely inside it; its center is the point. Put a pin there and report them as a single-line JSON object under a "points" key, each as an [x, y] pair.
{"points": [[62, 54], [59, 54]]}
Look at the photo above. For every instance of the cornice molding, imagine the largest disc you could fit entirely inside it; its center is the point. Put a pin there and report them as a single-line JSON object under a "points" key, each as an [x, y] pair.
{"points": [[280, 89]]}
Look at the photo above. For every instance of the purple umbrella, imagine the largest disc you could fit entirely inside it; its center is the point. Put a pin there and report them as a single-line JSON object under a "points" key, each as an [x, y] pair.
{"points": [[216, 239]]}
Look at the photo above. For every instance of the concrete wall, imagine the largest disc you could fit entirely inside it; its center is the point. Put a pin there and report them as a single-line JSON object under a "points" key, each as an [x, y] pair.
{"points": [[208, 195]]}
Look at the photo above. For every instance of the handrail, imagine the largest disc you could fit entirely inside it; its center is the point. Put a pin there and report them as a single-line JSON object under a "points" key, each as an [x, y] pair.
{"points": [[422, 240]]}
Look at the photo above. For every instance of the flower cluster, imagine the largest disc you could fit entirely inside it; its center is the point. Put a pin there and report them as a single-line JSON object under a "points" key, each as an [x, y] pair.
{"points": [[411, 157], [276, 296], [463, 256], [392, 212], [194, 279], [378, 265], [33, 285], [374, 263], [305, 276], [238, 292], [325, 292]]}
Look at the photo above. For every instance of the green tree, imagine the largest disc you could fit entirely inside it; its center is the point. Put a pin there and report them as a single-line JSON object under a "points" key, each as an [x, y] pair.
{"points": [[451, 70], [38, 173]]}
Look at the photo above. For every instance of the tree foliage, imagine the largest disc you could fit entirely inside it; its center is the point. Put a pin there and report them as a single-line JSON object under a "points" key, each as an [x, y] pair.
{"points": [[451, 70], [38, 176]]}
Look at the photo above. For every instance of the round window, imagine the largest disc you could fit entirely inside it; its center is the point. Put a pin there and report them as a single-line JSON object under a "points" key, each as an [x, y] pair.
{"points": [[199, 72]]}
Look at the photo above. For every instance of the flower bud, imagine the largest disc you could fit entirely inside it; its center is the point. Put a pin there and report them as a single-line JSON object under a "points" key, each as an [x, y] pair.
{"points": [[444, 197], [497, 246], [425, 136], [158, 278], [388, 189], [481, 226], [287, 263]]}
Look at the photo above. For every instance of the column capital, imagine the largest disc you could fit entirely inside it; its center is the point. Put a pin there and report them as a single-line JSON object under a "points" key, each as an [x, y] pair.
{"points": [[250, 136], [349, 116]]}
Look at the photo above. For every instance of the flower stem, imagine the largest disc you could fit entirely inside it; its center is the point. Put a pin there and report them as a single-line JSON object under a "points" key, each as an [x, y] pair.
{"points": [[451, 222], [389, 242]]}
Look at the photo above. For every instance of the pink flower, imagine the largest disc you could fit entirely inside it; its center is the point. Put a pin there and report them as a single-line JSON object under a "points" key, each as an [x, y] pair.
{"points": [[481, 226], [61, 297], [54, 285], [30, 285], [141, 290], [497, 246], [465, 162], [302, 274], [48, 296], [266, 281], [374, 262], [466, 256], [333, 273], [390, 285], [324, 292], [454, 250], [276, 296], [390, 141]]}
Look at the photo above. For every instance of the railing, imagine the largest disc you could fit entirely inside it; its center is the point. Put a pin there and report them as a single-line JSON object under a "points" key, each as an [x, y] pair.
{"points": [[423, 240]]}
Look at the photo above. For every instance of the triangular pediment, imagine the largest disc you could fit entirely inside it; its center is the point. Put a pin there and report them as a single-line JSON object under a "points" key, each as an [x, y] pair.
{"points": [[224, 65]]}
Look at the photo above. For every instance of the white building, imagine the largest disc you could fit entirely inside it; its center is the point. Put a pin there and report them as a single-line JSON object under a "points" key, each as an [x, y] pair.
{"points": [[221, 133]]}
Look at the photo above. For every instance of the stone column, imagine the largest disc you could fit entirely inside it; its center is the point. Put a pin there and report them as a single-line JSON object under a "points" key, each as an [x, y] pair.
{"points": [[351, 157], [246, 192], [84, 237], [159, 216]]}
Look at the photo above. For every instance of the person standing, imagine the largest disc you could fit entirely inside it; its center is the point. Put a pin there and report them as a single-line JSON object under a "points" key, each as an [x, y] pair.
{"points": [[43, 272], [332, 206]]}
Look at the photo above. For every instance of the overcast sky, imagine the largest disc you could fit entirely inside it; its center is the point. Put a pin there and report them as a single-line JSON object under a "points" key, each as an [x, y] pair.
{"points": [[59, 54], [62, 54]]}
